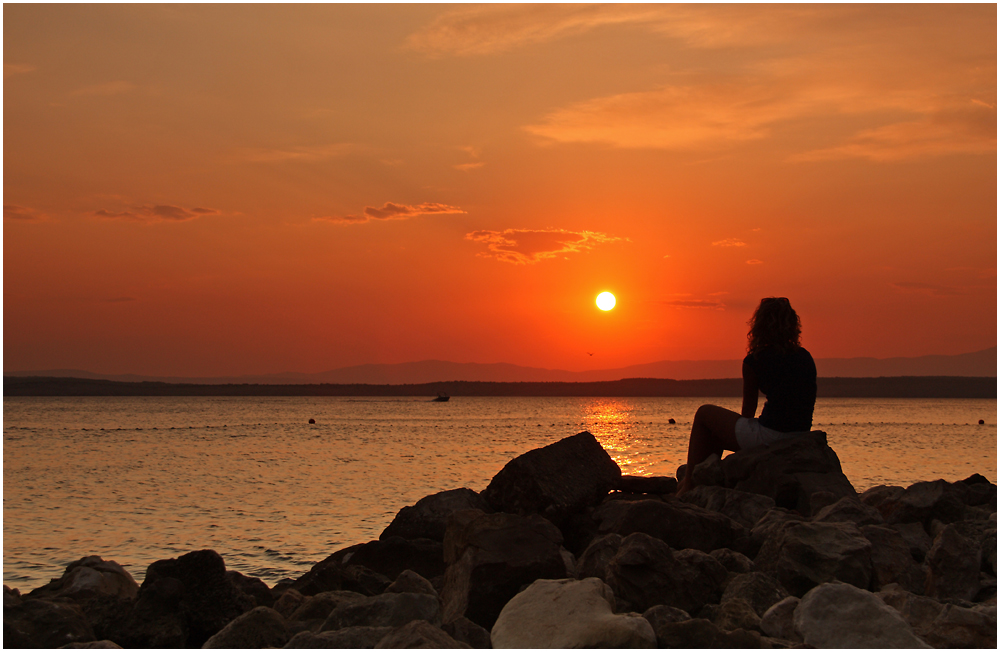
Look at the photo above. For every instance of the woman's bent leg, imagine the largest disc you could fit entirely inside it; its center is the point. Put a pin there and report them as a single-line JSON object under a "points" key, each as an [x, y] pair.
{"points": [[713, 431]]}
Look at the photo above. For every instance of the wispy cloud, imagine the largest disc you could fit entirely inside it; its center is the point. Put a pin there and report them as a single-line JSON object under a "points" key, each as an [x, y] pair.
{"points": [[474, 164], [729, 242], [525, 246], [928, 288], [709, 304], [157, 213], [18, 69], [106, 89], [754, 261], [300, 153], [23, 213], [391, 211]]}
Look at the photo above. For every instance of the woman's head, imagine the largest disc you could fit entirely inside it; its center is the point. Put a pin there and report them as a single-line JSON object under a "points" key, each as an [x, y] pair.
{"points": [[774, 324]]}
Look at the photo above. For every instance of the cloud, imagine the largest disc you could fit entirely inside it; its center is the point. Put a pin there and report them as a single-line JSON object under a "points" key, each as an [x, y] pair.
{"points": [[754, 261], [302, 153], [18, 69], [465, 167], [729, 242], [928, 288], [525, 246], [158, 213], [391, 211], [23, 213], [106, 89], [711, 304]]}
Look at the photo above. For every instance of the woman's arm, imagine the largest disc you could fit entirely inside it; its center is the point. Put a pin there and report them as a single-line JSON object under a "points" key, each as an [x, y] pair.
{"points": [[750, 389]]}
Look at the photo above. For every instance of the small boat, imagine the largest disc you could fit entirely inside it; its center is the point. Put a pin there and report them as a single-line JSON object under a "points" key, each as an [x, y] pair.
{"points": [[441, 398]]}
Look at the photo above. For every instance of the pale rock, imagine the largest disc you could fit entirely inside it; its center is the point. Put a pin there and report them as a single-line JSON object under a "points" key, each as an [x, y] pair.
{"points": [[777, 622], [838, 615]]}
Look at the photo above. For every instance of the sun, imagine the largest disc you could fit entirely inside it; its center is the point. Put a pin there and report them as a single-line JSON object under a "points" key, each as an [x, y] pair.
{"points": [[606, 301]]}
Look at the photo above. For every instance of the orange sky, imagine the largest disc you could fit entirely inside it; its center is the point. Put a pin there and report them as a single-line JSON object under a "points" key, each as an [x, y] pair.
{"points": [[218, 190]]}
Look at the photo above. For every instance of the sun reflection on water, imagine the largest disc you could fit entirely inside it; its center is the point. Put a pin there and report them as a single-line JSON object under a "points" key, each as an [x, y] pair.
{"points": [[612, 421]]}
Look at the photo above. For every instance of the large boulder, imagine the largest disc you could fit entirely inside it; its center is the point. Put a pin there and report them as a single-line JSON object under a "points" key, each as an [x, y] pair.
{"points": [[743, 507], [837, 615], [925, 502], [465, 631], [418, 634], [595, 559], [318, 607], [736, 613], [646, 572], [849, 510], [338, 572], [803, 555], [491, 557], [555, 481], [759, 590], [258, 628], [391, 555], [779, 620], [351, 638], [428, 518], [679, 524], [700, 633], [953, 564], [386, 610], [90, 577], [917, 541], [647, 484], [569, 614], [253, 587], [45, 624], [892, 562], [943, 625], [788, 471]]}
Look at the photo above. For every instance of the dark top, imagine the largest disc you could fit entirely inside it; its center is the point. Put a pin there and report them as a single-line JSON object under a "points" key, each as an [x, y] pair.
{"points": [[788, 381]]}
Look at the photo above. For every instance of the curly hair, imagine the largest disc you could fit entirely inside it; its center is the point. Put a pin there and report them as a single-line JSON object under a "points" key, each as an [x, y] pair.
{"points": [[774, 324]]}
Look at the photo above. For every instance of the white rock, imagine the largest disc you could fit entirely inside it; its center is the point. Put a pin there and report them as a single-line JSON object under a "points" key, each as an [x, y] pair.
{"points": [[569, 614], [837, 615]]}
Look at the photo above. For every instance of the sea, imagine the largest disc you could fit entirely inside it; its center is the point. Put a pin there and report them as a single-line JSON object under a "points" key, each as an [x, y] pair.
{"points": [[141, 479]]}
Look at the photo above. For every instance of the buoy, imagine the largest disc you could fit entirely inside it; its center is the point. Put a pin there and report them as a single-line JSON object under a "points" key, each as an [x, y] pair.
{"points": [[671, 421], [312, 420], [981, 422]]}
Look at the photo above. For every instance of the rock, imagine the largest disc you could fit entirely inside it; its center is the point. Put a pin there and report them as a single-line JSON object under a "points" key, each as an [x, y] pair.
{"points": [[428, 518], [11, 596], [662, 614], [924, 502], [410, 582], [704, 634], [391, 555], [849, 510], [639, 484], [771, 522], [191, 595], [953, 564], [708, 472], [353, 638], [940, 625], [732, 561], [319, 606], [892, 562], [916, 539], [744, 508], [875, 496], [253, 587], [465, 631], [555, 481], [386, 610], [289, 601], [92, 645], [980, 492], [805, 554], [838, 615], [45, 624], [758, 590], [88, 577], [595, 559], [494, 556], [788, 471], [647, 572], [679, 524], [418, 634], [364, 580], [258, 628], [777, 621], [569, 614], [736, 613]]}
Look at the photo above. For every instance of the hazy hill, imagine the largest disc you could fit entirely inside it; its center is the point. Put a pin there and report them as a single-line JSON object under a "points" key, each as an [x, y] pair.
{"points": [[980, 363]]}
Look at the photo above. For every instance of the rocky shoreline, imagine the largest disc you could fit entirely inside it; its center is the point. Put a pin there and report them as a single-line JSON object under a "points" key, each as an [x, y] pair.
{"points": [[773, 549]]}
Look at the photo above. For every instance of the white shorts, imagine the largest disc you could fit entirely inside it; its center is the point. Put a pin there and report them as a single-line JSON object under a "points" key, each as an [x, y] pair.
{"points": [[750, 434]]}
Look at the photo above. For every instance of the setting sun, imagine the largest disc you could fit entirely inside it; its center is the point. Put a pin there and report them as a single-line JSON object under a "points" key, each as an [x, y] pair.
{"points": [[606, 301]]}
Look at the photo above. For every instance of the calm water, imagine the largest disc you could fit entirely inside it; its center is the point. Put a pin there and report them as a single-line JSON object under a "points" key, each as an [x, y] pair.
{"points": [[141, 479]]}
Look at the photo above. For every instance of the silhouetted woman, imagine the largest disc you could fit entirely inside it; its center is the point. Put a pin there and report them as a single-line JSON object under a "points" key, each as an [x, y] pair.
{"points": [[777, 366]]}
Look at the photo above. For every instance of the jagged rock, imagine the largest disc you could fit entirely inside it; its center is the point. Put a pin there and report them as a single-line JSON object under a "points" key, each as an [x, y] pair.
{"points": [[838, 615], [892, 562], [89, 577], [327, 575], [679, 524], [778, 621], [411, 582], [744, 508], [339, 572], [953, 564], [493, 556], [92, 645], [253, 587], [11, 596], [940, 625], [465, 631], [639, 484], [258, 628], [569, 614], [924, 502], [699, 633], [916, 538], [771, 522], [555, 481], [759, 590], [736, 613], [820, 500], [190, 596], [595, 559], [352, 638], [804, 554], [391, 555], [418, 634], [45, 624], [319, 606], [289, 601], [386, 610], [428, 518], [733, 561], [849, 510], [980, 492], [647, 572], [708, 472], [875, 496]]}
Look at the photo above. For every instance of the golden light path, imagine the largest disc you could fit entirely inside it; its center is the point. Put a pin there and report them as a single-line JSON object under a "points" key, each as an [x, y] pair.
{"points": [[606, 301]]}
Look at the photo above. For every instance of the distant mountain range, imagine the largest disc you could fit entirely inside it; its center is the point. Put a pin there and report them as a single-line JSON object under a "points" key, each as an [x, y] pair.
{"points": [[979, 363]]}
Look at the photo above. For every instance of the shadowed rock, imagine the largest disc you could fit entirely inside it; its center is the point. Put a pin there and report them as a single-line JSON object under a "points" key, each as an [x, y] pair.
{"points": [[837, 615], [892, 562], [924, 502], [45, 624], [679, 524], [90, 577], [778, 620], [803, 554], [733, 561], [253, 587], [699, 633], [258, 628], [639, 484], [849, 510], [428, 518], [743, 507], [418, 634], [391, 555], [595, 559], [351, 638], [943, 625], [465, 631], [759, 590], [953, 564], [387, 610]]}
